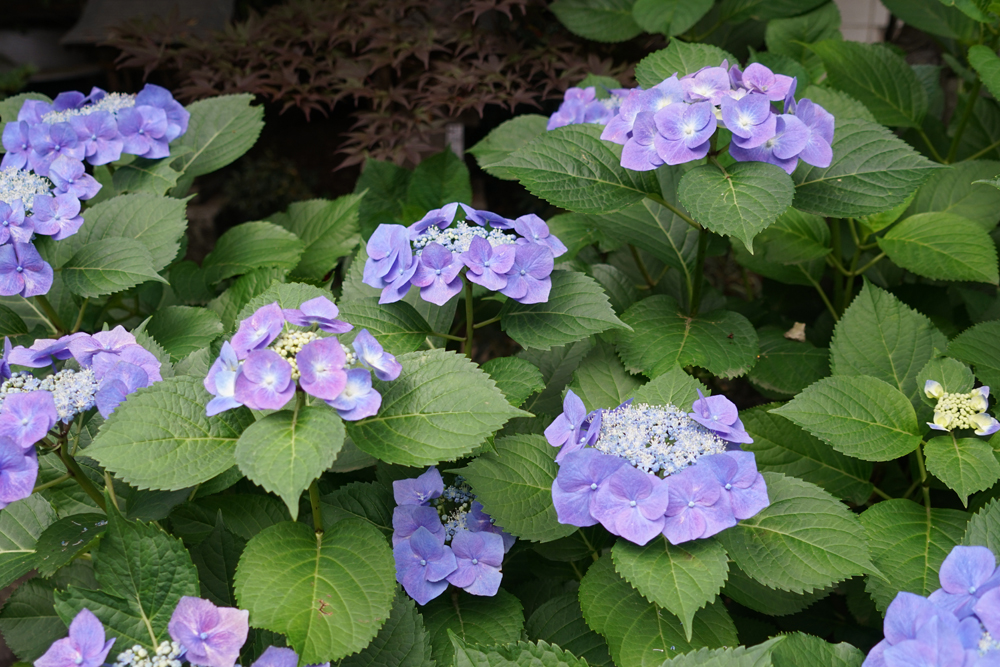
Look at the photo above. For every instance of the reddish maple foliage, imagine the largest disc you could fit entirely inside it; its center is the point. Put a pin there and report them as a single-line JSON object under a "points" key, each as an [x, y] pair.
{"points": [[409, 66]]}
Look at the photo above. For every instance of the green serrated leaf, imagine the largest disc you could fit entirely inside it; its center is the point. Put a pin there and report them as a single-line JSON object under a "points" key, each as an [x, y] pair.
{"points": [[678, 58], [402, 641], [802, 649], [942, 246], [756, 596], [908, 544], [182, 330], [741, 202], [286, 450], [782, 447], [599, 20], [859, 416], [755, 656], [157, 177], [216, 558], [286, 295], [250, 246], [384, 186], [220, 130], [872, 171], [440, 408], [438, 180], [329, 230], [29, 622], [107, 266], [663, 337], [675, 387], [572, 168], [477, 621], [804, 540], [977, 347], [983, 528], [336, 590], [669, 17], [504, 140], [367, 501], [62, 541], [617, 285], [796, 237], [935, 18], [398, 327], [11, 323], [785, 367], [986, 62], [601, 381], [559, 621], [966, 465], [959, 190], [232, 302], [522, 654], [839, 103], [791, 36], [160, 437], [243, 514], [516, 378], [21, 524], [557, 366]]}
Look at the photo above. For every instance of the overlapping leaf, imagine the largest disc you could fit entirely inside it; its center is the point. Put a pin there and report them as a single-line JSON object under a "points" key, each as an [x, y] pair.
{"points": [[942, 246], [966, 465]]}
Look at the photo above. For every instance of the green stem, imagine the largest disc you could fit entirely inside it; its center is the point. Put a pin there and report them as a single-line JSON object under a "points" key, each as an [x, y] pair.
{"points": [[109, 486], [486, 323], [881, 494], [317, 510], [979, 154], [913, 487], [966, 115], [79, 316], [469, 324], [835, 257], [930, 146], [878, 258], [822, 294], [74, 469], [849, 286], [673, 209], [194, 492], [447, 336], [642, 266], [699, 271], [55, 482], [924, 486], [50, 312]]}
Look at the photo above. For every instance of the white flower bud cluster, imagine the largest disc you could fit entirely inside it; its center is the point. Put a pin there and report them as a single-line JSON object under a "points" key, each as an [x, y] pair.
{"points": [[350, 358], [453, 506], [24, 185], [72, 390], [289, 344], [458, 237], [111, 102], [167, 655], [961, 410]]}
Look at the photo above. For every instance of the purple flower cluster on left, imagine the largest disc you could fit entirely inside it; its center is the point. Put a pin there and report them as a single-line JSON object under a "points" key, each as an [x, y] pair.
{"points": [[43, 178], [277, 350], [112, 365], [442, 536]]}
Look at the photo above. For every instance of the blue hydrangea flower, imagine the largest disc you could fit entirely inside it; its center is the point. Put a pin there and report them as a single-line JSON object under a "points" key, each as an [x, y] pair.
{"points": [[580, 105], [749, 118], [18, 471], [478, 557], [49, 142], [488, 265], [12, 223], [212, 635], [143, 131], [27, 418], [707, 84], [321, 368], [221, 381], [820, 124], [698, 507], [123, 379], [965, 575], [619, 129], [98, 132], [719, 415], [683, 132], [782, 150], [259, 330], [45, 352], [566, 427], [631, 503], [407, 519], [419, 490], [319, 311], [265, 382], [422, 565], [437, 274], [57, 216], [23, 271], [639, 152], [359, 399], [84, 647], [370, 354], [581, 475], [759, 79], [743, 486], [69, 178], [17, 142], [528, 278]]}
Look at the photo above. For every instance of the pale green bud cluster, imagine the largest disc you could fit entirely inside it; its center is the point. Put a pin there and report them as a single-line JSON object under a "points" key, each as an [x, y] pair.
{"points": [[350, 359], [24, 185], [289, 344], [167, 655], [960, 409]]}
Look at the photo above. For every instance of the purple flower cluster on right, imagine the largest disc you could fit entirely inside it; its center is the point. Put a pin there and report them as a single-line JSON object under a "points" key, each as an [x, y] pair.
{"points": [[673, 122], [641, 470], [958, 625]]}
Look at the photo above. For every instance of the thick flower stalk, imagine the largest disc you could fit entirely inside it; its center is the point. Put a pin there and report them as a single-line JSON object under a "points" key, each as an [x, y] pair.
{"points": [[961, 410], [642, 470], [674, 121], [958, 625], [276, 351], [441, 536], [513, 257]]}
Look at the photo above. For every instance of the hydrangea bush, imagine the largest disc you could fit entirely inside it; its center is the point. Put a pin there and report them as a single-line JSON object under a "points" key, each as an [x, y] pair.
{"points": [[719, 394]]}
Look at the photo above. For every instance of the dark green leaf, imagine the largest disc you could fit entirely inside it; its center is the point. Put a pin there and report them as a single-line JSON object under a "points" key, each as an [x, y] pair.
{"points": [[504, 140], [599, 20]]}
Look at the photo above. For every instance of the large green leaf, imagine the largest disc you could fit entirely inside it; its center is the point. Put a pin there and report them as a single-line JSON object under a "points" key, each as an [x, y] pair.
{"points": [[572, 168], [958, 190], [559, 621], [966, 465], [21, 524], [384, 185], [65, 539], [639, 632], [942, 246], [221, 129], [839, 103], [402, 641], [781, 446], [785, 367], [791, 36], [504, 140], [440, 179], [557, 366], [680, 578], [514, 484], [182, 330], [796, 237], [516, 378], [440, 408], [107, 266], [984, 527], [755, 656], [156, 177], [482, 621], [216, 558], [669, 17], [577, 307], [143, 573], [29, 621], [937, 18], [368, 501], [678, 58], [158, 223], [286, 450], [754, 595], [802, 649], [522, 654], [599, 20], [878, 77], [985, 61], [860, 416], [662, 337], [675, 387], [329, 230], [977, 346], [804, 540], [336, 589], [872, 171], [601, 381], [740, 202], [397, 326], [242, 290], [243, 514], [250, 246], [160, 437], [881, 337], [908, 544]]}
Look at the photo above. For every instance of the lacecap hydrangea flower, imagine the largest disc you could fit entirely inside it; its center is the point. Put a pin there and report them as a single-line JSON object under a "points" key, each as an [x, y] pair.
{"points": [[674, 121], [961, 410], [43, 178], [581, 105], [111, 365], [513, 257], [644, 470], [276, 351], [441, 536], [958, 625]]}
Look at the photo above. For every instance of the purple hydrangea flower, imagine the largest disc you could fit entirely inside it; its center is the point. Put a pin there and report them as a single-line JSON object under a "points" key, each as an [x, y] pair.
{"points": [[422, 565], [321, 368], [631, 504], [221, 381], [49, 142], [5, 359], [388, 251], [359, 399], [56, 216], [155, 96], [749, 118], [33, 110], [528, 278], [707, 84], [212, 635], [697, 507], [398, 282], [143, 130], [27, 417], [759, 79], [440, 217], [913, 622], [259, 330], [744, 486], [12, 223], [566, 427], [319, 311], [534, 230], [276, 656], [85, 347], [580, 105], [684, 131], [487, 265], [418, 490], [966, 575], [782, 150], [639, 153], [820, 124], [479, 557], [18, 471], [44, 352], [68, 99], [121, 380], [481, 218], [98, 133], [23, 271], [68, 177], [437, 274], [85, 646], [719, 415], [371, 355], [406, 519], [478, 521], [17, 142], [103, 362], [265, 382], [619, 129]]}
